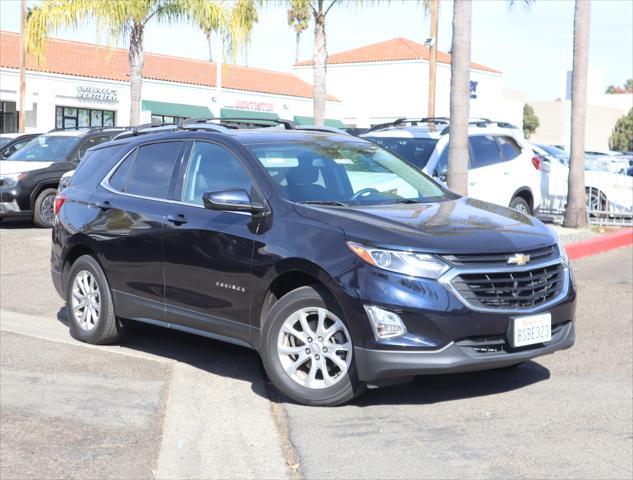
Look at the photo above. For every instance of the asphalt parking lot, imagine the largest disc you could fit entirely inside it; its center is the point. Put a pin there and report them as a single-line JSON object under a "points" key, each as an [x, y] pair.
{"points": [[169, 405]]}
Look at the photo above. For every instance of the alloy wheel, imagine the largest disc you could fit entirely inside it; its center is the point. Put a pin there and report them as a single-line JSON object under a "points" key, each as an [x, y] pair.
{"points": [[86, 300], [47, 209], [314, 348]]}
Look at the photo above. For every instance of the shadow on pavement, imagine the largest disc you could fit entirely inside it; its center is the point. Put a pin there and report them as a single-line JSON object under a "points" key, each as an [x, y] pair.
{"points": [[17, 223], [218, 358], [430, 389], [240, 363]]}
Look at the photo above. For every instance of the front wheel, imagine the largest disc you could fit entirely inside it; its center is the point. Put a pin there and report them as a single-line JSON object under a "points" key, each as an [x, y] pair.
{"points": [[520, 205], [307, 349]]}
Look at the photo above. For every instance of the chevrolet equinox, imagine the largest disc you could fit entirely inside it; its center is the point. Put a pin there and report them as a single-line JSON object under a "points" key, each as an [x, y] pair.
{"points": [[341, 264]]}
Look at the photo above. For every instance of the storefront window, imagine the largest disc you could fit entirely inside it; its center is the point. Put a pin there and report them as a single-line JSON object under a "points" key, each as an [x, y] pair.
{"points": [[165, 118], [8, 117], [68, 118]]}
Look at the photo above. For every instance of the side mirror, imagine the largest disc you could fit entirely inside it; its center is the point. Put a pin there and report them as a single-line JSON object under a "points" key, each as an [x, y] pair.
{"points": [[236, 200]]}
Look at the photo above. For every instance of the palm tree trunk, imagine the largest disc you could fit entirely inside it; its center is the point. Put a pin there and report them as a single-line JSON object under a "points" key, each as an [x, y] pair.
{"points": [[136, 57], [210, 44], [460, 98], [576, 213], [320, 62], [297, 47]]}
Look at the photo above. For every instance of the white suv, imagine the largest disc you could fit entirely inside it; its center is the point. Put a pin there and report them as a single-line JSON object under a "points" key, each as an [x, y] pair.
{"points": [[502, 167]]}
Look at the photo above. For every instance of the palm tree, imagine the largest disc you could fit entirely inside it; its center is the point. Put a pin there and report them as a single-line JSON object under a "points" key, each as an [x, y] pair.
{"points": [[576, 212], [211, 18], [457, 176], [299, 20]]}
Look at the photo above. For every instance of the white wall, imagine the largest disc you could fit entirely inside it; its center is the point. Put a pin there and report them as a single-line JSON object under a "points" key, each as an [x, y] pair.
{"points": [[376, 92]]}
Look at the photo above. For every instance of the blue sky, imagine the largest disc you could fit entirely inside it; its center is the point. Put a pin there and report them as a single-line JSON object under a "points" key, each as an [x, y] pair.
{"points": [[532, 46]]}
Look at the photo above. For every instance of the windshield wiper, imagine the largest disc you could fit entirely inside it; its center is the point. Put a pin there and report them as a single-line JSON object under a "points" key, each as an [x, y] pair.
{"points": [[323, 202], [401, 200]]}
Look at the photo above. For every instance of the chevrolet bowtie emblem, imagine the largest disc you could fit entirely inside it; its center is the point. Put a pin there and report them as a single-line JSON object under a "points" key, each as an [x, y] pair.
{"points": [[518, 259]]}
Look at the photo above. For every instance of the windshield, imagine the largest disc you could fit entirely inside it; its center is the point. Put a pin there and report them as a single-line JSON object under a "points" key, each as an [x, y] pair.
{"points": [[46, 148], [414, 150], [345, 173]]}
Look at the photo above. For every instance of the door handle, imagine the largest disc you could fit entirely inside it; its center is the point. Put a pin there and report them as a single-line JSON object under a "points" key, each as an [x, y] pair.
{"points": [[177, 220], [102, 205]]}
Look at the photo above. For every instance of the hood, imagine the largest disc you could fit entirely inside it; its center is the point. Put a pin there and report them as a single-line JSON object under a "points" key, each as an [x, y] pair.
{"points": [[9, 166], [461, 226]]}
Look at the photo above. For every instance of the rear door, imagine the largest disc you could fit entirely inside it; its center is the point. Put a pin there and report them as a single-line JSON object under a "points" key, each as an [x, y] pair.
{"points": [[489, 177], [127, 219], [208, 253]]}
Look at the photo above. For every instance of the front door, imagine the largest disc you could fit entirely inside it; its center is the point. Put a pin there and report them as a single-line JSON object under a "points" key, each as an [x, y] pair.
{"points": [[489, 177], [208, 253]]}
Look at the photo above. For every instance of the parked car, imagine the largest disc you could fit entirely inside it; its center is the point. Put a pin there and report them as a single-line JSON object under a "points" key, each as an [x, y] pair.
{"points": [[502, 168], [30, 176], [272, 240], [12, 142], [608, 193]]}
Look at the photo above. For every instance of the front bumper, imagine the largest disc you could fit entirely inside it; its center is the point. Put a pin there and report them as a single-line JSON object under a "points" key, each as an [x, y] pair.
{"points": [[12, 203], [456, 357]]}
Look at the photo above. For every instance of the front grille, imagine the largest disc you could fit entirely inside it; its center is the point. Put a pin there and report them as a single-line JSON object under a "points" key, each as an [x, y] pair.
{"points": [[538, 255], [511, 289]]}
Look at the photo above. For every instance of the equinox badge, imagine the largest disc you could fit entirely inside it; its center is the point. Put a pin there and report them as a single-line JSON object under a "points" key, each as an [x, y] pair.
{"points": [[518, 259]]}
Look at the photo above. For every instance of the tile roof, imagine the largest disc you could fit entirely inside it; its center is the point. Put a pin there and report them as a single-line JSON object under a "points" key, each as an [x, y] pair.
{"points": [[391, 50], [89, 60]]}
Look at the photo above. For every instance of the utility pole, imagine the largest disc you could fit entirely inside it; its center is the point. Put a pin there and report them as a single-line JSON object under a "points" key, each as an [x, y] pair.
{"points": [[433, 59], [22, 102]]}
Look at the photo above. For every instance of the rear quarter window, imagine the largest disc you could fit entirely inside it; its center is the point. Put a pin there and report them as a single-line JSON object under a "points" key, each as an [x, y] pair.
{"points": [[95, 164]]}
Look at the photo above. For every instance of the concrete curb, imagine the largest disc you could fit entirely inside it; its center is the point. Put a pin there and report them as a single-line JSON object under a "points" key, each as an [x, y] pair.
{"points": [[600, 243]]}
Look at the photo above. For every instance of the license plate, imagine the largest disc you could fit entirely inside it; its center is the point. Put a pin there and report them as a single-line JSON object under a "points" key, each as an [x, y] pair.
{"points": [[532, 329]]}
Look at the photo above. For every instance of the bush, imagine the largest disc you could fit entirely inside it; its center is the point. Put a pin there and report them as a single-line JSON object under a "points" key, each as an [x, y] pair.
{"points": [[621, 138], [530, 121]]}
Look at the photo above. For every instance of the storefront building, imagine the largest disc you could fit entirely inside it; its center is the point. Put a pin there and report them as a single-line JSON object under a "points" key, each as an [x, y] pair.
{"points": [[83, 85]]}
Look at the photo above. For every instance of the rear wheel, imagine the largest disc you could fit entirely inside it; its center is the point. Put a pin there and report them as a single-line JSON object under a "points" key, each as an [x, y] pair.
{"points": [[596, 202], [307, 349], [44, 214], [521, 205], [89, 304]]}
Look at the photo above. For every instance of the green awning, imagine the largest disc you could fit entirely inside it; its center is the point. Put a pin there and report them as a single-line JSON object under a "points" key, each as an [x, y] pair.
{"points": [[329, 122], [236, 113], [176, 109]]}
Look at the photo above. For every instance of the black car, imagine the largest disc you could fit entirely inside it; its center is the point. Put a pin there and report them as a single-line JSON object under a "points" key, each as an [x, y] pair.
{"points": [[29, 177], [340, 263], [10, 145]]}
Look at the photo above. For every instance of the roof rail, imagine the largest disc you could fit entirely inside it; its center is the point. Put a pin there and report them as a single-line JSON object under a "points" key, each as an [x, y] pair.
{"points": [[87, 129], [409, 121], [483, 123], [318, 128], [145, 129]]}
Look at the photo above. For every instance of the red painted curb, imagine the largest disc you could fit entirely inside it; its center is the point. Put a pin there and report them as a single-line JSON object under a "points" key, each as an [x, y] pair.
{"points": [[600, 243]]}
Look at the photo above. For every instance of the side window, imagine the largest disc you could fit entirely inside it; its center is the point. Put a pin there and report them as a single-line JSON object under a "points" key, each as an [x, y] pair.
{"points": [[212, 167], [91, 142], [485, 151], [95, 163], [509, 148], [442, 163], [119, 179], [152, 170]]}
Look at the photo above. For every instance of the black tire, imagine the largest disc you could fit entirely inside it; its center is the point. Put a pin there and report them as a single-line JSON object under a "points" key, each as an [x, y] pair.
{"points": [[43, 202], [107, 328], [521, 205], [341, 392]]}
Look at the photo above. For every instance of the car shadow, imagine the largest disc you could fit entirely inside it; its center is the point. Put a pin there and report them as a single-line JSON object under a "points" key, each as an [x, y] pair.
{"points": [[16, 223], [220, 358]]}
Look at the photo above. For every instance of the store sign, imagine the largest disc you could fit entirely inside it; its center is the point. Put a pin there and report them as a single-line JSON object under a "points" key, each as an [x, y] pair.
{"points": [[255, 106], [97, 93]]}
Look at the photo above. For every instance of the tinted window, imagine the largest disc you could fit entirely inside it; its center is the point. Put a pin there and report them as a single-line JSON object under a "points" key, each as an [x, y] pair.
{"points": [[47, 148], [509, 148], [211, 168], [119, 179], [442, 163], [414, 150], [95, 164], [91, 142], [151, 173], [485, 151]]}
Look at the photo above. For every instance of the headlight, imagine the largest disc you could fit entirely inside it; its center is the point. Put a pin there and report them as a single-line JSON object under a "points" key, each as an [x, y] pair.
{"points": [[11, 179], [563, 253], [408, 263]]}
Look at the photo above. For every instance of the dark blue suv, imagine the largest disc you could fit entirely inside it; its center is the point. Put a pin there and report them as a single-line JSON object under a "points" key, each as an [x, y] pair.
{"points": [[339, 262]]}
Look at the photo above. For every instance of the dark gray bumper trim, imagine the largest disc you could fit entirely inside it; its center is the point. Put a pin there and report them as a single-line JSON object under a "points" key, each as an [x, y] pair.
{"points": [[375, 365]]}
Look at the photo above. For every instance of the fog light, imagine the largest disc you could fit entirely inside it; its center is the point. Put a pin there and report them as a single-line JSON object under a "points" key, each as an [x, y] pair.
{"points": [[385, 324]]}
